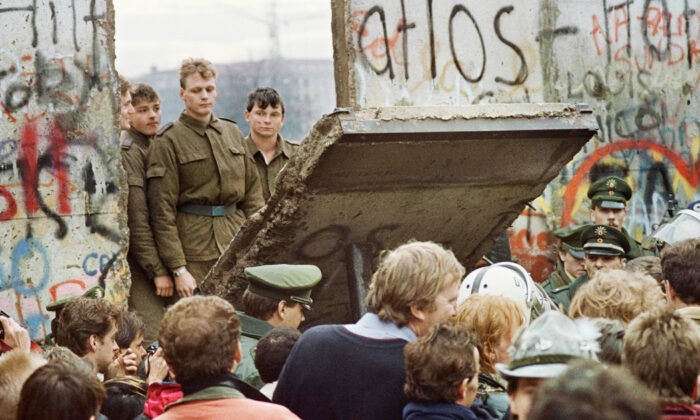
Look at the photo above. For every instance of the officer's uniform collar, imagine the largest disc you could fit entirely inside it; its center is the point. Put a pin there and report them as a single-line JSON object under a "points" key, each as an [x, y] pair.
{"points": [[198, 126]]}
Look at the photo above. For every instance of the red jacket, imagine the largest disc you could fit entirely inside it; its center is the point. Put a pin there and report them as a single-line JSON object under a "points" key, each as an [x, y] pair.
{"points": [[680, 412]]}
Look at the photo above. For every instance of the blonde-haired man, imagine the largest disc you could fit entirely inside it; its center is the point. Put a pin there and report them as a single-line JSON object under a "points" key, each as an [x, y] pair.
{"points": [[357, 371], [201, 183]]}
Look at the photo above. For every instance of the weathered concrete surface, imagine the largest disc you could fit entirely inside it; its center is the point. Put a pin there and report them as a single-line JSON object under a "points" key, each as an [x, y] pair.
{"points": [[373, 179], [61, 227], [635, 62]]}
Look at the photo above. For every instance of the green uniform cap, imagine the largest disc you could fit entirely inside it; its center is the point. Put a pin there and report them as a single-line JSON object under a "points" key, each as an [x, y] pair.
{"points": [[604, 240], [610, 192], [284, 281], [570, 238], [95, 292]]}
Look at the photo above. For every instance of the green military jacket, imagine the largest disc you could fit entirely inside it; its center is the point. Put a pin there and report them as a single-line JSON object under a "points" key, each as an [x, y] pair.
{"points": [[580, 281], [202, 164], [252, 329], [635, 248], [268, 171], [557, 287], [142, 246]]}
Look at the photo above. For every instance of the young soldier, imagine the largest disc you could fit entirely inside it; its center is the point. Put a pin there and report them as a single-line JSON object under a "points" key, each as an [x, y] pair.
{"points": [[609, 196], [605, 248], [265, 115], [276, 297], [571, 263], [150, 281], [201, 184], [126, 109]]}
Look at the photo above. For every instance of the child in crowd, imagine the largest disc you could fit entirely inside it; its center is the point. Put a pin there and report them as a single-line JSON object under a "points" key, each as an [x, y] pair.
{"points": [[442, 370]]}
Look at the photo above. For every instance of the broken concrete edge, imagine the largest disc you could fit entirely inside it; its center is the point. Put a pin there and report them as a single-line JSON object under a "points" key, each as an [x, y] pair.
{"points": [[248, 247], [481, 111], [226, 278], [117, 277], [343, 54]]}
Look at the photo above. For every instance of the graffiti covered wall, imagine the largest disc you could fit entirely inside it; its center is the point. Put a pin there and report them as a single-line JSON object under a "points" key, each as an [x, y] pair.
{"points": [[635, 62], [60, 169]]}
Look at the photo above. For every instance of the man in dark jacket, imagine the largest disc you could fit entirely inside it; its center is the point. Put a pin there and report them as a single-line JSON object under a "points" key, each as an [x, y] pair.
{"points": [[357, 371]]}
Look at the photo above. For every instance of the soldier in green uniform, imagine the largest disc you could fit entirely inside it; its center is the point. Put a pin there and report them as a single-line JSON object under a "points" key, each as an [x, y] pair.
{"points": [[201, 183], [151, 284], [265, 115], [605, 248], [569, 266], [609, 196], [277, 296]]}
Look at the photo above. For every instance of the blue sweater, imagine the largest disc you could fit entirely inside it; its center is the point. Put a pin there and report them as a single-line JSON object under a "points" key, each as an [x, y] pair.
{"points": [[437, 411], [332, 373]]}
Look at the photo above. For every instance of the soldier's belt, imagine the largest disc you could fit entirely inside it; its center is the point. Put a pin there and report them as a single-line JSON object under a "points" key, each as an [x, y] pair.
{"points": [[211, 211]]}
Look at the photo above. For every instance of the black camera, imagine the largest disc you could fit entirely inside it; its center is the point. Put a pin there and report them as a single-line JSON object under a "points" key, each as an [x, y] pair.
{"points": [[2, 330], [152, 348]]}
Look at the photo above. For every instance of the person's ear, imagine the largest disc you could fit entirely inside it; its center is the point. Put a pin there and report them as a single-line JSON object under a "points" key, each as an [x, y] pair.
{"points": [[281, 308], [462, 390], [92, 343], [246, 115], [418, 314], [623, 261], [282, 121], [182, 93], [239, 352], [562, 254], [670, 293]]}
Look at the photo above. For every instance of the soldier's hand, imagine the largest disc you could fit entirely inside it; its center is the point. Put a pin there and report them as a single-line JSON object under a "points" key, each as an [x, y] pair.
{"points": [[15, 336], [185, 284], [164, 285]]}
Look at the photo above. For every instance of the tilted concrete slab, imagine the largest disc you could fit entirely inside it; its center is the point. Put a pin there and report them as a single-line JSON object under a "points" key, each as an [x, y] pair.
{"points": [[372, 179]]}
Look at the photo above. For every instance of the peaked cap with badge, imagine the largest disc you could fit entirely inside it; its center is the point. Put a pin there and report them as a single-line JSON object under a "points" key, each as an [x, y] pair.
{"points": [[284, 281], [610, 192], [570, 238], [604, 240]]}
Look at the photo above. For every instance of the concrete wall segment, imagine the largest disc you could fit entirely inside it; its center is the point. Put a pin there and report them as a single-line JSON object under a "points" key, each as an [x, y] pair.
{"points": [[61, 179], [372, 180], [635, 62]]}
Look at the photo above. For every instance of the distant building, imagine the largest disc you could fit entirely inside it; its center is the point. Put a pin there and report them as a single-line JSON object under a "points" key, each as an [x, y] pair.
{"points": [[307, 87]]}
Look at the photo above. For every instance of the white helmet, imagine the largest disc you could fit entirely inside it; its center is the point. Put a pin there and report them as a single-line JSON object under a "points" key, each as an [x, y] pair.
{"points": [[510, 280]]}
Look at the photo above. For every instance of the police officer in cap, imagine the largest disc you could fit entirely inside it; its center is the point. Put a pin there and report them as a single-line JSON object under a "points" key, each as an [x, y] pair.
{"points": [[605, 248], [277, 296], [570, 264], [609, 196]]}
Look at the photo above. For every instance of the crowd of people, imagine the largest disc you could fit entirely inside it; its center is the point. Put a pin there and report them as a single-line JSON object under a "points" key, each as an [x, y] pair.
{"points": [[611, 334]]}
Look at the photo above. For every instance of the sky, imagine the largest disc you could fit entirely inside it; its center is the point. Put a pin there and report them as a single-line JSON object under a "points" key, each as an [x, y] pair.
{"points": [[160, 33]]}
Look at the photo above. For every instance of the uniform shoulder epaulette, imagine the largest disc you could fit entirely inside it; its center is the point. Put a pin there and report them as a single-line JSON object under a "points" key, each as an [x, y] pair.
{"points": [[165, 128], [126, 144], [228, 119]]}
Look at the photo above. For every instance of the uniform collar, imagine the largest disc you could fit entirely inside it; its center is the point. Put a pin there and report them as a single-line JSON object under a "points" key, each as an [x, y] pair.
{"points": [[198, 126], [138, 137], [253, 327], [281, 148]]}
